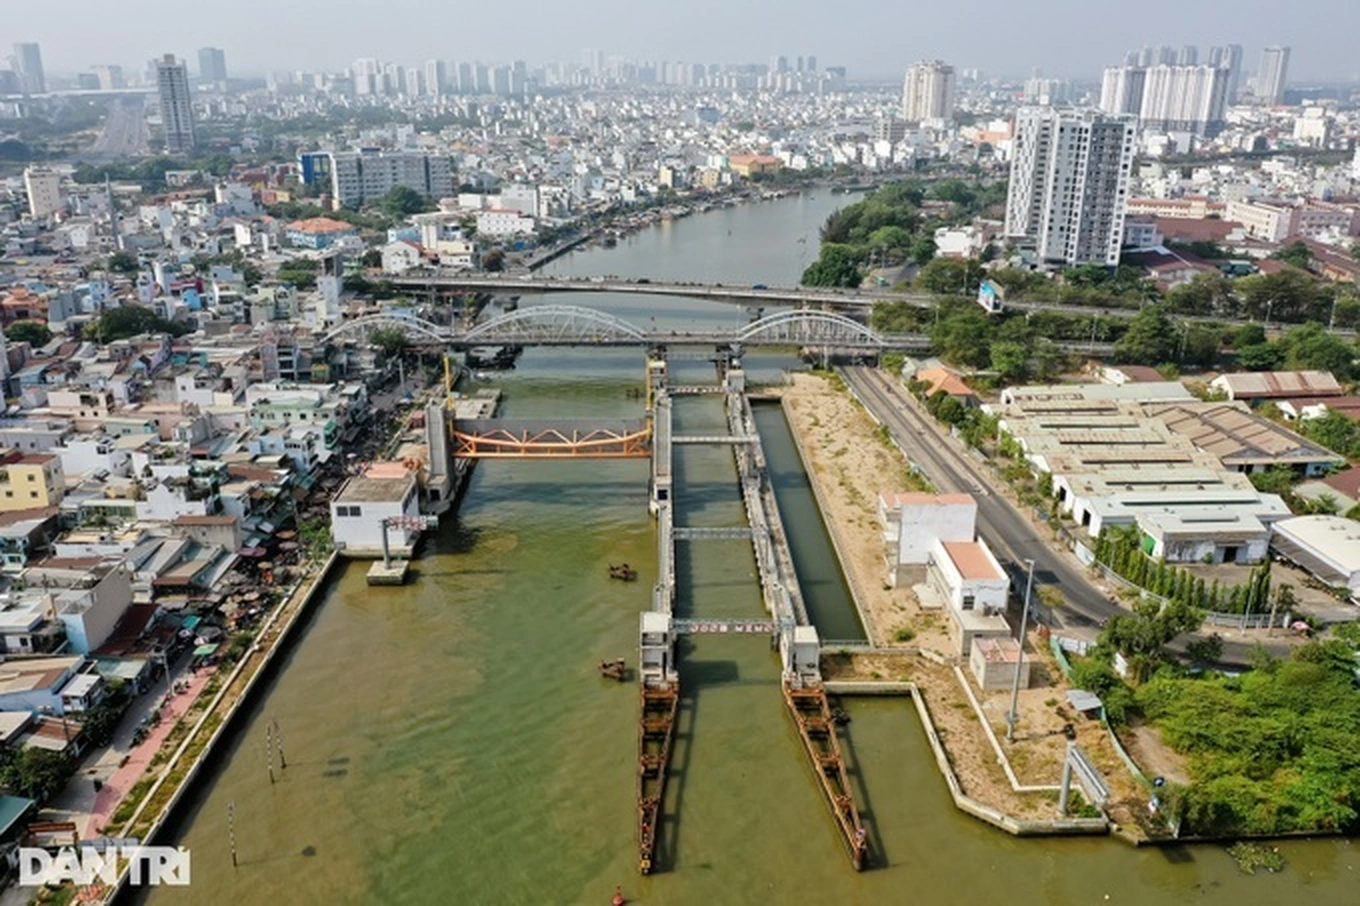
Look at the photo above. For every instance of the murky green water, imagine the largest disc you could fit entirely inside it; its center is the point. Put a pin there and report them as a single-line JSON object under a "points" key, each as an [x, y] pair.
{"points": [[451, 742]]}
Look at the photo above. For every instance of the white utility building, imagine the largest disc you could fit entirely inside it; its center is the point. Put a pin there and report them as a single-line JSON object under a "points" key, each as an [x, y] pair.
{"points": [[1326, 546]]}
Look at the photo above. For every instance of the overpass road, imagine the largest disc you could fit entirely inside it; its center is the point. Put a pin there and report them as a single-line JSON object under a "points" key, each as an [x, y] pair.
{"points": [[1005, 529]]}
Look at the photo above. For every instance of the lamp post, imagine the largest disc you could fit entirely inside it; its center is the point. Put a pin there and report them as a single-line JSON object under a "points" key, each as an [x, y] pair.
{"points": [[1013, 716]]}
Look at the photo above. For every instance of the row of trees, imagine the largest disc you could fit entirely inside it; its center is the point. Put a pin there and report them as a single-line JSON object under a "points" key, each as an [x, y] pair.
{"points": [[1121, 550]]}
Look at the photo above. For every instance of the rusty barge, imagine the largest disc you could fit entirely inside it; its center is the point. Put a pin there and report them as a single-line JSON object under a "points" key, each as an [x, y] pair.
{"points": [[656, 732], [817, 726]]}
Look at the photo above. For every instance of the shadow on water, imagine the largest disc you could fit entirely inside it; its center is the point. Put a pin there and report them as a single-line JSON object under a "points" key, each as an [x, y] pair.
{"points": [[694, 675], [878, 855]]}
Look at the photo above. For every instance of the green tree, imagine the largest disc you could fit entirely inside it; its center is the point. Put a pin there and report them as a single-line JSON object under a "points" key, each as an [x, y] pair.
{"points": [[922, 250], [122, 263], [403, 201], [36, 773], [1312, 347], [1010, 360], [34, 333], [1296, 253], [1274, 480], [836, 266], [957, 276], [1260, 357], [1149, 340], [391, 340], [130, 321], [493, 261]]}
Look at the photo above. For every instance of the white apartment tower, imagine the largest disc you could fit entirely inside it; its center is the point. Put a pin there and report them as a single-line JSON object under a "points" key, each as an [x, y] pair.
{"points": [[44, 192], [1170, 98], [28, 66], [1069, 185], [1271, 75], [177, 108], [928, 93]]}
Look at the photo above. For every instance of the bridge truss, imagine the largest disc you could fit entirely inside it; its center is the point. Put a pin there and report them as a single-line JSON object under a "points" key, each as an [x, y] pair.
{"points": [[555, 324], [506, 439], [416, 330], [807, 327]]}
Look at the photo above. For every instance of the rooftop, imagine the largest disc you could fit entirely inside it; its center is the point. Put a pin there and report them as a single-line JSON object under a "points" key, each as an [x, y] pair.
{"points": [[972, 560], [363, 489]]}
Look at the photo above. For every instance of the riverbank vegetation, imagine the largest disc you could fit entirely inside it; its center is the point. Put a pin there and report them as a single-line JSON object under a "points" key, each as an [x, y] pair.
{"points": [[894, 225], [1275, 750]]}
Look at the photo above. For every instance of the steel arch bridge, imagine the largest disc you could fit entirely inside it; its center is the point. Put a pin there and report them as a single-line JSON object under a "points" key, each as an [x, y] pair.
{"points": [[556, 325], [416, 330], [807, 327]]}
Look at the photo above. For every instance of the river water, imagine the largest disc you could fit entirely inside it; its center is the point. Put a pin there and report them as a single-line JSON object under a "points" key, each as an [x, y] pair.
{"points": [[450, 741]]}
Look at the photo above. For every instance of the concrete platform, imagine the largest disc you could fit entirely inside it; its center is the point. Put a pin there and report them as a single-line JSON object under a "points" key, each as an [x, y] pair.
{"points": [[388, 575]]}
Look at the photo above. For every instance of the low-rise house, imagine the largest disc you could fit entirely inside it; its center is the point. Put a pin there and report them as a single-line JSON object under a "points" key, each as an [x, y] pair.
{"points": [[35, 684]]}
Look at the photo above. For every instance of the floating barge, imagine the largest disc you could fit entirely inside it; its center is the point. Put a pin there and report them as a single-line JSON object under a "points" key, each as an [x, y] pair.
{"points": [[817, 726], [656, 731]]}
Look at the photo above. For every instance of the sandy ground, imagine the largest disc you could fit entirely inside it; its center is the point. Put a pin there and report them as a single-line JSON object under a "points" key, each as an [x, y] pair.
{"points": [[850, 465]]}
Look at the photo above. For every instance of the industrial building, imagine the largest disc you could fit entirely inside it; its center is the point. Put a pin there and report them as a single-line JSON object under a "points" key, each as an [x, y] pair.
{"points": [[1326, 546], [1175, 469]]}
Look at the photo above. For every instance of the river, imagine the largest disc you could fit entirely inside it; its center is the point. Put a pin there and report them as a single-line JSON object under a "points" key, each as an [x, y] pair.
{"points": [[451, 742]]}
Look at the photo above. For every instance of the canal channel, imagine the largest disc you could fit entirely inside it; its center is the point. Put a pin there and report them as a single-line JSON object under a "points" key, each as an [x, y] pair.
{"points": [[451, 742]]}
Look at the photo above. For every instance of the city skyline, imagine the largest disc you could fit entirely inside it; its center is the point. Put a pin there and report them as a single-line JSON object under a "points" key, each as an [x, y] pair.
{"points": [[1011, 47]]}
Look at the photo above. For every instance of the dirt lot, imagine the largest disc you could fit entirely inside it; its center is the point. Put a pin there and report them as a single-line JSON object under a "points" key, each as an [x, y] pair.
{"points": [[850, 466]]}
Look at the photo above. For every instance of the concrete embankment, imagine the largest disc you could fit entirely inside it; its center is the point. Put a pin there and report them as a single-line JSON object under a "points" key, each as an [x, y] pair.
{"points": [[181, 802]]}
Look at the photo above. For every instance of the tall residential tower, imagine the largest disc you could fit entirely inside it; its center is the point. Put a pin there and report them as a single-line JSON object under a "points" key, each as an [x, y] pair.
{"points": [[177, 108], [1069, 185], [928, 93], [29, 68], [1271, 74]]}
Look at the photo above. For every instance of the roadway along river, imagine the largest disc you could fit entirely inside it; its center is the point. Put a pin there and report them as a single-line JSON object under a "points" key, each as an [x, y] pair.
{"points": [[450, 741]]}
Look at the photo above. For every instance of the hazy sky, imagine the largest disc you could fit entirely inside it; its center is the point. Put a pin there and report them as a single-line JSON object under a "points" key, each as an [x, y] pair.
{"points": [[869, 37]]}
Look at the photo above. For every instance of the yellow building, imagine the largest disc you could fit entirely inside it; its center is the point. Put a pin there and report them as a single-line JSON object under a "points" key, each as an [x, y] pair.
{"points": [[749, 165], [30, 481]]}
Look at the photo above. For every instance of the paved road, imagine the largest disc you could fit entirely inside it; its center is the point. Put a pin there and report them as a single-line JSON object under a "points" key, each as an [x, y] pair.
{"points": [[1006, 531], [1009, 533], [125, 131]]}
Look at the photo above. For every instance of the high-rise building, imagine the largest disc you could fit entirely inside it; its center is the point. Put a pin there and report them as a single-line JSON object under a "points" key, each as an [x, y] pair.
{"points": [[1121, 89], [466, 85], [415, 83], [44, 192], [360, 176], [1187, 55], [110, 76], [1271, 75], [928, 93], [1231, 60], [177, 107], [28, 67], [367, 73], [436, 77], [1169, 98], [1069, 185], [212, 65], [1184, 99], [811, 64]]}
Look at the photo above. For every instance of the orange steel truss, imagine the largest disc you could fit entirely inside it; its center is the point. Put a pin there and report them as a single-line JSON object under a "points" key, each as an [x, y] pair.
{"points": [[553, 443]]}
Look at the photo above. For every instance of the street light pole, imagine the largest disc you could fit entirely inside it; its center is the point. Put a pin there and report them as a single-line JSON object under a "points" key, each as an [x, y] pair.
{"points": [[1014, 715]]}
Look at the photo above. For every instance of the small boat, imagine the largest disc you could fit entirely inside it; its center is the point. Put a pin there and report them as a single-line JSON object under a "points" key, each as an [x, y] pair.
{"points": [[623, 572], [615, 669]]}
